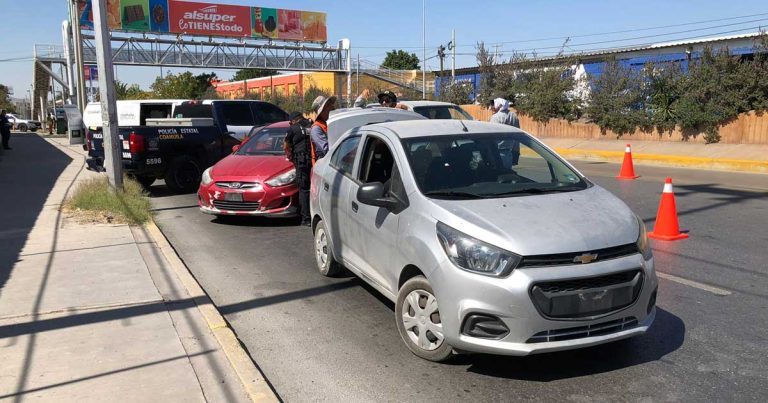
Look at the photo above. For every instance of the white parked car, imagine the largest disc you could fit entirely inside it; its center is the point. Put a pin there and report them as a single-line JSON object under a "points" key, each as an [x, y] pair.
{"points": [[23, 124], [437, 110]]}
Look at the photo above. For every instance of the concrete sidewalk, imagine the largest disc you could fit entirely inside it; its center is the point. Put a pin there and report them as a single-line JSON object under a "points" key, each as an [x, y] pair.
{"points": [[93, 312], [726, 157]]}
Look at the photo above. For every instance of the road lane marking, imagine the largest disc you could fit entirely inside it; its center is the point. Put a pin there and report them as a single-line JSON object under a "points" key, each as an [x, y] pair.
{"points": [[694, 284]]}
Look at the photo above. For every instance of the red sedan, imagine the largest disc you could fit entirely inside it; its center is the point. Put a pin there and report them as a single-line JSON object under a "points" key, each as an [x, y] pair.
{"points": [[256, 180]]}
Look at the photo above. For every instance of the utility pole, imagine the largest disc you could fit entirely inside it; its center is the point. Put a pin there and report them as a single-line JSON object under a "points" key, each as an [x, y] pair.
{"points": [[113, 161], [77, 40], [424, 49], [441, 55], [453, 57]]}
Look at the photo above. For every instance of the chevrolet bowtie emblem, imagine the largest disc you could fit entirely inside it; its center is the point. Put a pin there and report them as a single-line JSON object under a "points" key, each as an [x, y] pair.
{"points": [[585, 258]]}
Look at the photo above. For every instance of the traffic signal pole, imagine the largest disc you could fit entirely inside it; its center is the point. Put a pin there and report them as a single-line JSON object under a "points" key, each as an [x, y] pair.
{"points": [[112, 148]]}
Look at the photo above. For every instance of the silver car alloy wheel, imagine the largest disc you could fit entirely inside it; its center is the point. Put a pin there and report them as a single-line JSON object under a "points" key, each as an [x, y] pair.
{"points": [[321, 247], [421, 319]]}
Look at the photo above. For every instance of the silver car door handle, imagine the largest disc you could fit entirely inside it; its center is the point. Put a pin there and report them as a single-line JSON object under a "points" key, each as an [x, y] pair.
{"points": [[354, 207]]}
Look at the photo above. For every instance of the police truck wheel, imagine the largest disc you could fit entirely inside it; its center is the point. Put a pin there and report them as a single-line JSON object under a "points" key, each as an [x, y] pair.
{"points": [[183, 175], [21, 127]]}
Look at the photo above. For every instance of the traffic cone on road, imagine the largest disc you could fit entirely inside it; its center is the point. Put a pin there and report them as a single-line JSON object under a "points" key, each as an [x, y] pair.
{"points": [[627, 168], [667, 228]]}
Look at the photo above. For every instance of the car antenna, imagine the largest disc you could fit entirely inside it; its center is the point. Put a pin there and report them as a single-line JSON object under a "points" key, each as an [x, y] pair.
{"points": [[464, 127]]}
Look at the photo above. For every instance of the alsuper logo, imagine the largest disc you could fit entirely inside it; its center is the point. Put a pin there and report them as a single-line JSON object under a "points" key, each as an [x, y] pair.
{"points": [[200, 18], [208, 14]]}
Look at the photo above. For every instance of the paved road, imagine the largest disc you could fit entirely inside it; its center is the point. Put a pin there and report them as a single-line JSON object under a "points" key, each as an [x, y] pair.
{"points": [[320, 339]]}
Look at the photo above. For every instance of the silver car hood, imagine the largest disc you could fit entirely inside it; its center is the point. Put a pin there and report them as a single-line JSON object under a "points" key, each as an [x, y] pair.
{"points": [[544, 224]]}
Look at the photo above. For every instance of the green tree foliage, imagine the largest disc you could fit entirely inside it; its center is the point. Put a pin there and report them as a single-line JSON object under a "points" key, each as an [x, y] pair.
{"points": [[401, 60], [294, 101], [182, 86], [457, 93], [5, 99], [539, 91], [616, 99], [132, 91], [247, 74], [488, 74]]}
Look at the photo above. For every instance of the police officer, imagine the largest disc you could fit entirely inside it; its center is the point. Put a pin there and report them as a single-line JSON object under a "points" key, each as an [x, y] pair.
{"points": [[298, 143]]}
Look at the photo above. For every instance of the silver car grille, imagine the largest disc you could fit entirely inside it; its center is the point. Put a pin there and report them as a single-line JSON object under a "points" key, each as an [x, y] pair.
{"points": [[579, 332]]}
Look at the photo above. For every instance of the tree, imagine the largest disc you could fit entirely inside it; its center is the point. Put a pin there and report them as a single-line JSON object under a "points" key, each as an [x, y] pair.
{"points": [[487, 67], [458, 93], [183, 85], [616, 101], [5, 99], [247, 74], [401, 60], [133, 91]]}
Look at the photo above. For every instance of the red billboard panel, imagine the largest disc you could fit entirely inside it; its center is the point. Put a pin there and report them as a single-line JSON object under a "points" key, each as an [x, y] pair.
{"points": [[209, 19]]}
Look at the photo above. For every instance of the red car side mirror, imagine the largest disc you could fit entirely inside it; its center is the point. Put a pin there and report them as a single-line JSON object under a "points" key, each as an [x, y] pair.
{"points": [[235, 148]]}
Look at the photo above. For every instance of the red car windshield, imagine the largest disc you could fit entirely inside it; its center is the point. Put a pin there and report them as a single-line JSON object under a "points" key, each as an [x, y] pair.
{"points": [[267, 141]]}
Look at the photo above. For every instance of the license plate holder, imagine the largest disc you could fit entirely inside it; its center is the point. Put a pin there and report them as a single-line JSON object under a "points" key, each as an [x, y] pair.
{"points": [[233, 197]]}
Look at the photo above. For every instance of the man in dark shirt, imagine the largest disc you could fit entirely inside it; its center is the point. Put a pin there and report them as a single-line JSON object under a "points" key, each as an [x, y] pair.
{"points": [[299, 144], [5, 129]]}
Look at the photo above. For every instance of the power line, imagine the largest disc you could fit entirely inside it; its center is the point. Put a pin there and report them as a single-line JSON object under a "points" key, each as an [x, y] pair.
{"points": [[651, 36], [635, 30], [590, 35]]}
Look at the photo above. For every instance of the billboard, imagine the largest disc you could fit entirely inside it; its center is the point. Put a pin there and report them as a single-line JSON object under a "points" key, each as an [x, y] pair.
{"points": [[208, 19]]}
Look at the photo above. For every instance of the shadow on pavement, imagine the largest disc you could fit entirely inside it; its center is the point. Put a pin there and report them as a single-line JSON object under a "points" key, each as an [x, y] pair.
{"points": [[723, 196], [665, 336], [27, 175]]}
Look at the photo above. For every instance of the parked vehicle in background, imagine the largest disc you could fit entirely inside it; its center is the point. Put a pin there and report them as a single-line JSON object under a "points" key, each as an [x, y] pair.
{"points": [[239, 116], [342, 120], [437, 110], [23, 125], [179, 149], [129, 113], [480, 254], [255, 180]]}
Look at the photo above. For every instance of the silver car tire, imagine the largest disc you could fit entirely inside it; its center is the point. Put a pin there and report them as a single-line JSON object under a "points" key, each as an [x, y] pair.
{"points": [[326, 264], [418, 321]]}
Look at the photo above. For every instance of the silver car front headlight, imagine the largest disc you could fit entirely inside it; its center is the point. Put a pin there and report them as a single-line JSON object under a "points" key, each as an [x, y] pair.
{"points": [[473, 255], [206, 179], [282, 179], [643, 245]]}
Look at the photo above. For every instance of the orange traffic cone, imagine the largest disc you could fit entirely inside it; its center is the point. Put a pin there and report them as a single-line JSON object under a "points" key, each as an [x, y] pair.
{"points": [[627, 168], [667, 228]]}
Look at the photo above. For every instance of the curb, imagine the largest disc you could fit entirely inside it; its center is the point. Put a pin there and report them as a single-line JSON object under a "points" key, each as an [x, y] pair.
{"points": [[719, 164], [253, 380]]}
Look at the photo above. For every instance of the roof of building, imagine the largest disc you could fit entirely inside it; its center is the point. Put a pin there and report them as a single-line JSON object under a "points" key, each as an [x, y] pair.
{"points": [[596, 54]]}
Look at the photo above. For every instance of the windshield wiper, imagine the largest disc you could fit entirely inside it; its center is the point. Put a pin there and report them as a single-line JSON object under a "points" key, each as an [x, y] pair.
{"points": [[537, 191], [453, 193]]}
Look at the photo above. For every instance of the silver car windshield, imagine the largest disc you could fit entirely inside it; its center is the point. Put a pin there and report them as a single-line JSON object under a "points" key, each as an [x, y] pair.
{"points": [[487, 166]]}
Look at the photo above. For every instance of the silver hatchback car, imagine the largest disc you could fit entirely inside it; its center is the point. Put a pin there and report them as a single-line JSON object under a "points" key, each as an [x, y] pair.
{"points": [[485, 239]]}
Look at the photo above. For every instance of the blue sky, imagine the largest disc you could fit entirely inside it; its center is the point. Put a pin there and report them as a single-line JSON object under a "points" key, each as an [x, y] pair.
{"points": [[375, 27]]}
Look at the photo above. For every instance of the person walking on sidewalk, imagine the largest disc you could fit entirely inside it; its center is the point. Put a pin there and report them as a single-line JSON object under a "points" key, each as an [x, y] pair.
{"points": [[319, 133], [299, 148], [5, 129]]}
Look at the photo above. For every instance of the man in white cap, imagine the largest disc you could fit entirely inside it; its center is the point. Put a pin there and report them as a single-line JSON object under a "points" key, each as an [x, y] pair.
{"points": [[319, 133], [503, 115]]}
